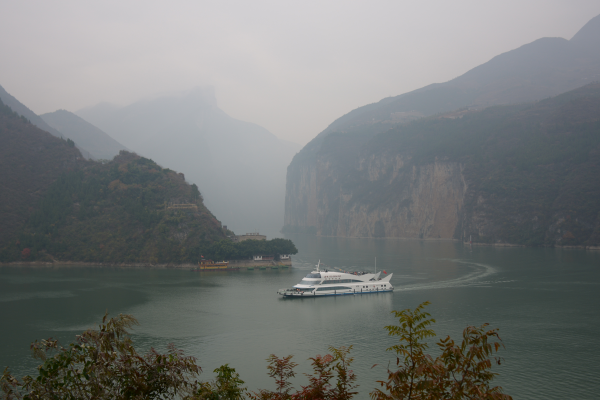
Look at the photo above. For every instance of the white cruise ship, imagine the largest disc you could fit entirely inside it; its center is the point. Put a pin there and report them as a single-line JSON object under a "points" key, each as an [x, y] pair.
{"points": [[325, 283]]}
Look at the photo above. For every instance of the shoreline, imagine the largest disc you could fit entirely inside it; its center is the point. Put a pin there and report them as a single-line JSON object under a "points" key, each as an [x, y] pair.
{"points": [[593, 248], [233, 264]]}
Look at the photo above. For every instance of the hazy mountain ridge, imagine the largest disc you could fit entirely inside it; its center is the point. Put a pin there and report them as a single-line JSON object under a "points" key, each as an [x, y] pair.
{"points": [[522, 174], [99, 144], [240, 166], [545, 67], [55, 205], [35, 119]]}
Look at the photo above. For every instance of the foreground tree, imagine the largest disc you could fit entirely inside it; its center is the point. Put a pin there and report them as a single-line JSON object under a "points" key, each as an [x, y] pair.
{"points": [[460, 372], [226, 386], [103, 364], [282, 370], [325, 369]]}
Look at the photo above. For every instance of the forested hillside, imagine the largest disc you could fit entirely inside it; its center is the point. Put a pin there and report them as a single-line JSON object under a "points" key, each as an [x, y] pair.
{"points": [[118, 212], [30, 160], [532, 171], [56, 206]]}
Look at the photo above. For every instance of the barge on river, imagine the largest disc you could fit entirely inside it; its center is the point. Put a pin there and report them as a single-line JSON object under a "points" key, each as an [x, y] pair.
{"points": [[210, 265]]}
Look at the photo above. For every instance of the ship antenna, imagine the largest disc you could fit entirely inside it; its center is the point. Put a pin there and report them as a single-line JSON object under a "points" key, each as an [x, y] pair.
{"points": [[376, 264]]}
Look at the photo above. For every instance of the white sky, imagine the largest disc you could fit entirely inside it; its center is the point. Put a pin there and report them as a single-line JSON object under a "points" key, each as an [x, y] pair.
{"points": [[290, 66]]}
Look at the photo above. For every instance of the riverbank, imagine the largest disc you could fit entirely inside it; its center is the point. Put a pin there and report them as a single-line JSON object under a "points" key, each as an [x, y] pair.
{"points": [[233, 264], [522, 245]]}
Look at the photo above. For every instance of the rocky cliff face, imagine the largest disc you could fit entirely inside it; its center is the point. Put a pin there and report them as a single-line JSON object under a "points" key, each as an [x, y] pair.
{"points": [[427, 200], [447, 177], [519, 174], [301, 197]]}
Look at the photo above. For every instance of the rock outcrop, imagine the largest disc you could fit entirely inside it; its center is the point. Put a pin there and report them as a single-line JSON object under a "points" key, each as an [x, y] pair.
{"points": [[428, 204]]}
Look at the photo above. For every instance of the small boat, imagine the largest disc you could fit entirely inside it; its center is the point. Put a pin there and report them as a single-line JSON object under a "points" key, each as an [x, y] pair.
{"points": [[210, 265], [325, 283]]}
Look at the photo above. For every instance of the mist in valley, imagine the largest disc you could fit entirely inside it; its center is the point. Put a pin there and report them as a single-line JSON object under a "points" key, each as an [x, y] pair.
{"points": [[240, 167]]}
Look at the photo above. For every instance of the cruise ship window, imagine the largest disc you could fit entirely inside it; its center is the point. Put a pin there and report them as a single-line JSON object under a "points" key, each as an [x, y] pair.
{"points": [[331, 289]]}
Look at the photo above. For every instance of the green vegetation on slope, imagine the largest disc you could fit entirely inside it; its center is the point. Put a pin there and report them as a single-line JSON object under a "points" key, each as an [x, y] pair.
{"points": [[54, 205], [118, 212], [30, 161], [228, 250], [533, 171]]}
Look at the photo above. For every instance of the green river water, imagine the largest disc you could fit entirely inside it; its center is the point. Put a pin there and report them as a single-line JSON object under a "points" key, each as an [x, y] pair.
{"points": [[545, 302]]}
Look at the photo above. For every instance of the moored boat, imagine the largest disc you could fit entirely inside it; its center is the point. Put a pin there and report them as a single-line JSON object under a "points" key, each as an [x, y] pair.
{"points": [[210, 265], [325, 283]]}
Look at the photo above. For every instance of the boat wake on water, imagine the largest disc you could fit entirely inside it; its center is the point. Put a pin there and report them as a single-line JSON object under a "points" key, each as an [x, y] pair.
{"points": [[473, 277]]}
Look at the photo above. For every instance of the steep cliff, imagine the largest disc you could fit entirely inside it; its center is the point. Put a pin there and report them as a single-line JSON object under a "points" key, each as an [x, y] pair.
{"points": [[333, 182], [427, 201], [526, 174]]}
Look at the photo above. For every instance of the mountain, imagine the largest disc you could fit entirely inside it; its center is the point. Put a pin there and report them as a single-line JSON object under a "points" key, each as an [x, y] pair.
{"points": [[239, 165], [55, 205], [99, 144], [126, 211], [36, 120], [30, 161], [519, 174], [543, 68]]}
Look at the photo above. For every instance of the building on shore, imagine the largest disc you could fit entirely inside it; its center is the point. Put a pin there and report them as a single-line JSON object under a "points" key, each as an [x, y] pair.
{"points": [[269, 257]]}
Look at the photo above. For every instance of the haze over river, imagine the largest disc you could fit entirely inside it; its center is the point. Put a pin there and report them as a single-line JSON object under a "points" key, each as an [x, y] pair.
{"points": [[545, 302]]}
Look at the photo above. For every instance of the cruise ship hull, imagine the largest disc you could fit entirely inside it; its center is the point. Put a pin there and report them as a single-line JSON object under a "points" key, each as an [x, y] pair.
{"points": [[335, 293], [326, 283]]}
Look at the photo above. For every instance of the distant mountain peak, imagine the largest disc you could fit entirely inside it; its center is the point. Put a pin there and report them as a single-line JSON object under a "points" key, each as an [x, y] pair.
{"points": [[206, 93], [589, 34], [100, 144], [198, 97]]}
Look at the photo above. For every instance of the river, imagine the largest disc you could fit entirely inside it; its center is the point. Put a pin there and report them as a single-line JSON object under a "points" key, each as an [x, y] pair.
{"points": [[545, 302]]}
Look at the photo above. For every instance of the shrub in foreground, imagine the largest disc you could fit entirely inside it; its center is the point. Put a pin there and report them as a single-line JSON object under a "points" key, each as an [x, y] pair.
{"points": [[103, 364]]}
